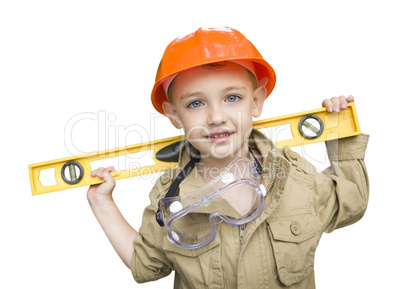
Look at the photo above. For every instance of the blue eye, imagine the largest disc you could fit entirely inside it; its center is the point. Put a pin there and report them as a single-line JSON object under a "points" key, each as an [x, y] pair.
{"points": [[232, 98], [195, 104]]}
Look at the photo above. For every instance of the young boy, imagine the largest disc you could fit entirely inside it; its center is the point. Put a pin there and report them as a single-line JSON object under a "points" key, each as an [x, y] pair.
{"points": [[212, 83]]}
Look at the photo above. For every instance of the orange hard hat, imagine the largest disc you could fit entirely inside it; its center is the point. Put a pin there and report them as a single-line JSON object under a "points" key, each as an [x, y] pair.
{"points": [[204, 46]]}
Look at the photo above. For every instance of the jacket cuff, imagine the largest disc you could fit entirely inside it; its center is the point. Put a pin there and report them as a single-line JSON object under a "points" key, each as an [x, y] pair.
{"points": [[350, 148]]}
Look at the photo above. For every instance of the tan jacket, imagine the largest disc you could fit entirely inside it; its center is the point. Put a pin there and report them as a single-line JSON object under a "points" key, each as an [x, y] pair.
{"points": [[277, 249]]}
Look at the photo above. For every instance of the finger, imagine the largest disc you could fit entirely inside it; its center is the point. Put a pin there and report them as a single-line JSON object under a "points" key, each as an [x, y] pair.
{"points": [[100, 172], [107, 177], [327, 104], [343, 104], [110, 169], [350, 98], [104, 174], [95, 172], [335, 104]]}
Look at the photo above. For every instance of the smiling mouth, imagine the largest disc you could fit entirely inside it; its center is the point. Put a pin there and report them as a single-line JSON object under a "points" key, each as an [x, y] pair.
{"points": [[219, 135]]}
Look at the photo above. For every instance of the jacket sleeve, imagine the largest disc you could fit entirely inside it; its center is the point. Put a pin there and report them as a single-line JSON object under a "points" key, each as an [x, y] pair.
{"points": [[149, 261], [342, 190]]}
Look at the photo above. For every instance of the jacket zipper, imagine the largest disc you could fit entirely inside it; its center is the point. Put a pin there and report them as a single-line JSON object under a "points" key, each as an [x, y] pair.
{"points": [[271, 184], [269, 188], [242, 229]]}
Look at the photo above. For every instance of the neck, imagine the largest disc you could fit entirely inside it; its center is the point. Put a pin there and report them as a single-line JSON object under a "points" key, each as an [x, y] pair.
{"points": [[210, 167]]}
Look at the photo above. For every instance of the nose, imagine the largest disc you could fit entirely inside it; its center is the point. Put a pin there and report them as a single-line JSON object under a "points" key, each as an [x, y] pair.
{"points": [[216, 115]]}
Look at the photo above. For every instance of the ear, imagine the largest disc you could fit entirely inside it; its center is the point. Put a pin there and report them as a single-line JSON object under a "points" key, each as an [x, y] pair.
{"points": [[258, 100], [171, 113]]}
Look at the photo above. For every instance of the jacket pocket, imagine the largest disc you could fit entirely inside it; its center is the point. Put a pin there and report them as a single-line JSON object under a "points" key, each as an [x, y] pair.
{"points": [[294, 240], [198, 268]]}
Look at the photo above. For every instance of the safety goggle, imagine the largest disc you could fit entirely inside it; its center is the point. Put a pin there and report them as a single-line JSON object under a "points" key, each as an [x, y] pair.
{"points": [[235, 196]]}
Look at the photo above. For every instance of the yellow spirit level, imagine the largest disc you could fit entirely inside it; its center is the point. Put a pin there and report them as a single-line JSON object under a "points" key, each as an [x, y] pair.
{"points": [[306, 128]]}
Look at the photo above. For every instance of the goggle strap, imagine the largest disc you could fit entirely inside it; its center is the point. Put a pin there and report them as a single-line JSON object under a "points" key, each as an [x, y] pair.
{"points": [[259, 167], [182, 175], [175, 185]]}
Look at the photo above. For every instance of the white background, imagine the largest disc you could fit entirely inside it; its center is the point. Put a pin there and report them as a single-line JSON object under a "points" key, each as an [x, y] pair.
{"points": [[63, 59]]}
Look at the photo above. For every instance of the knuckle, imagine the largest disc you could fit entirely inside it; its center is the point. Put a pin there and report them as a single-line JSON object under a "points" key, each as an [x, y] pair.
{"points": [[98, 170], [334, 98], [326, 102]]}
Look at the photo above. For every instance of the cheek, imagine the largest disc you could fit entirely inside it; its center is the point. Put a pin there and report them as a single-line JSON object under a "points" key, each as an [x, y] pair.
{"points": [[245, 123], [245, 114], [193, 127], [192, 116]]}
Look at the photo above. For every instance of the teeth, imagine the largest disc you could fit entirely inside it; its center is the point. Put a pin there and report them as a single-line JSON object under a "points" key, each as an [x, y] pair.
{"points": [[219, 135]]}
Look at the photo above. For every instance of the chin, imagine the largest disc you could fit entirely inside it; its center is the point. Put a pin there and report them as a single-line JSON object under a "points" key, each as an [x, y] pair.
{"points": [[224, 153]]}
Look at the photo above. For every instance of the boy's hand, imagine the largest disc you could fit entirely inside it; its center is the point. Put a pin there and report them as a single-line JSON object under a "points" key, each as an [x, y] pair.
{"points": [[104, 190], [335, 104]]}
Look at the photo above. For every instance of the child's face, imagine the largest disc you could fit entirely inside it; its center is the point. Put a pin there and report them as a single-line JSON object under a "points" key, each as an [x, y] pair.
{"points": [[215, 107]]}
